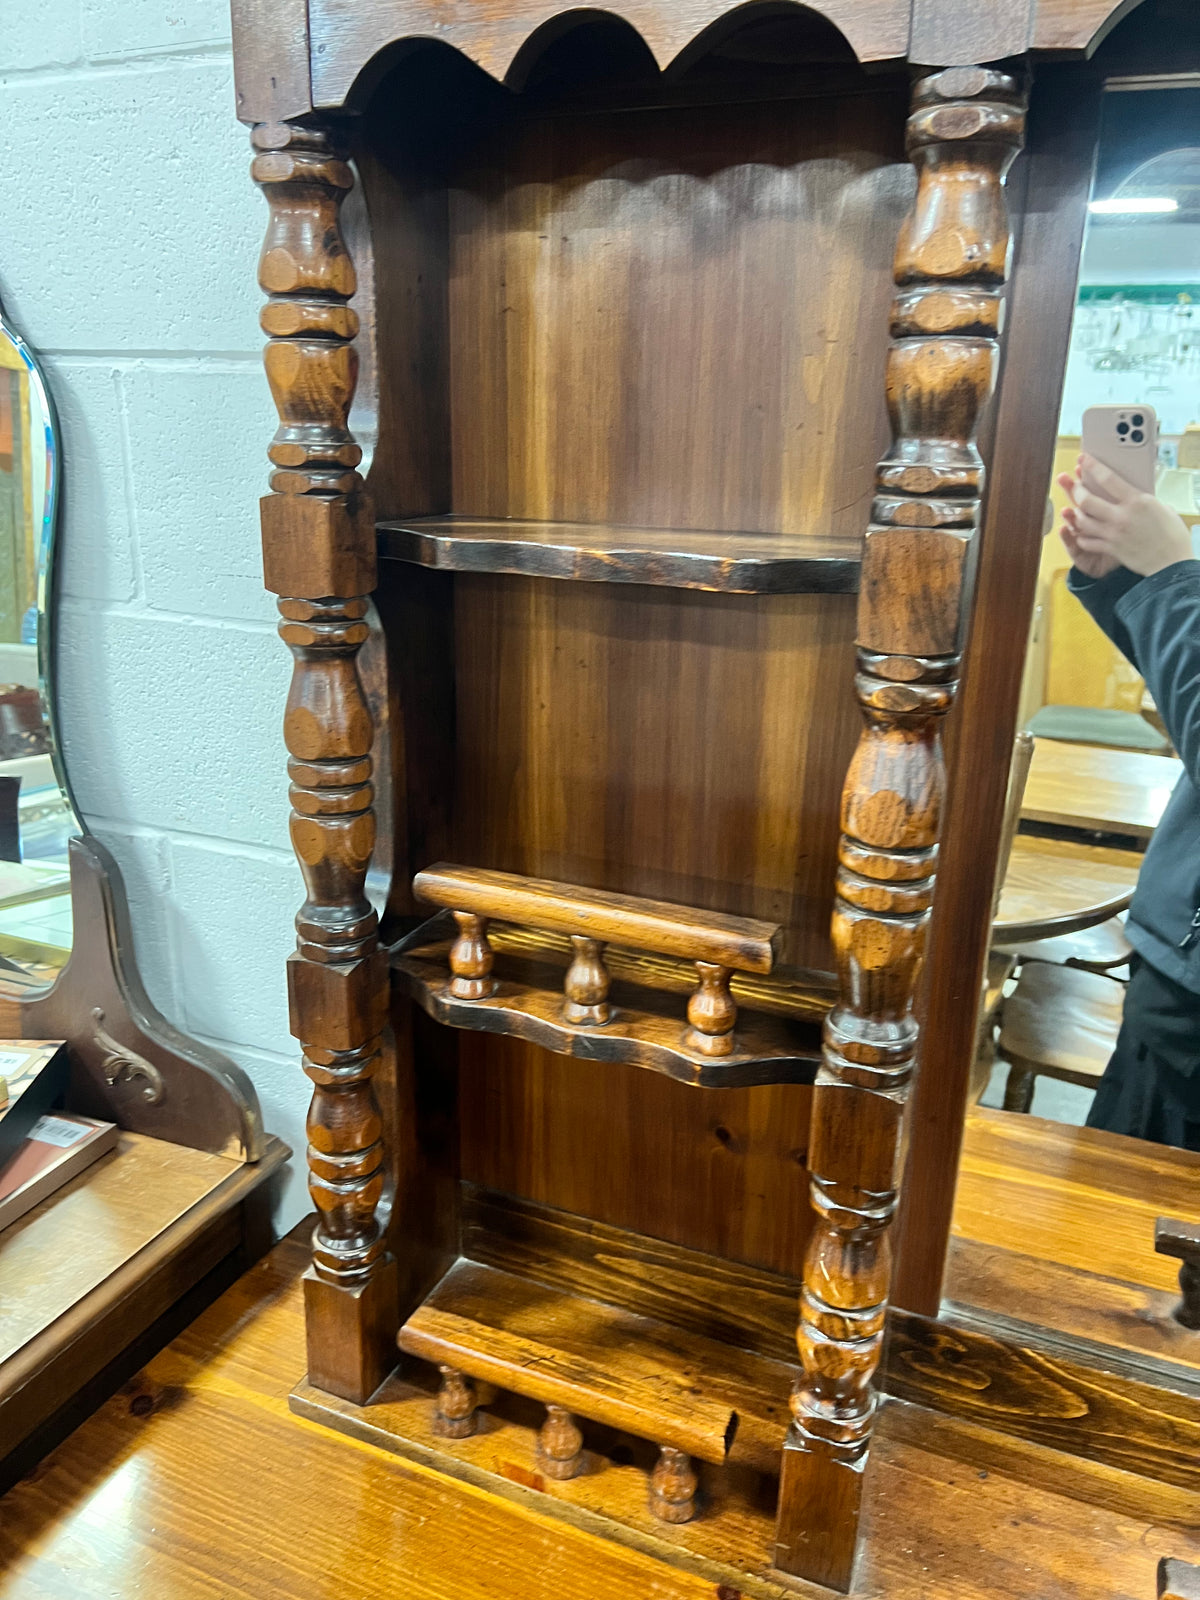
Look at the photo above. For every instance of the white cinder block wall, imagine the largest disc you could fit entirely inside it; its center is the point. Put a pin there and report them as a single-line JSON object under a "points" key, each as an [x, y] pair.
{"points": [[127, 258]]}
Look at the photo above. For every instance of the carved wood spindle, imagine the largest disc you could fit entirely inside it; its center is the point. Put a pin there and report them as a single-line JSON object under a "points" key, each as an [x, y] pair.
{"points": [[712, 1012], [587, 982], [560, 1445], [319, 558], [952, 259], [673, 1486], [471, 959], [454, 1408]]}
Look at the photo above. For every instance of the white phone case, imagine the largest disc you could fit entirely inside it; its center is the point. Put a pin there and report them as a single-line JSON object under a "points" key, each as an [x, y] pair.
{"points": [[1124, 438]]}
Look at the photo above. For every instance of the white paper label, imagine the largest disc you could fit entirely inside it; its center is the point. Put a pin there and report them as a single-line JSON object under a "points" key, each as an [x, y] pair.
{"points": [[57, 1131]]}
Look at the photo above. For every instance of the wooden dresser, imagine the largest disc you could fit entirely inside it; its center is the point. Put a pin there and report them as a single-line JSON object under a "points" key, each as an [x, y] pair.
{"points": [[674, 334]]}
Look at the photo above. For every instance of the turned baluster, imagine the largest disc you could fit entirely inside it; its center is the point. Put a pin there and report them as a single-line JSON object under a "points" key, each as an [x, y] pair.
{"points": [[712, 1012], [454, 1408], [319, 558], [587, 982], [471, 959], [673, 1486], [951, 261], [560, 1445]]}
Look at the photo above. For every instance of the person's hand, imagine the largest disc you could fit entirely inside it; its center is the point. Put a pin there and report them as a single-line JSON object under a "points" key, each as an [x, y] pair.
{"points": [[1111, 524]]}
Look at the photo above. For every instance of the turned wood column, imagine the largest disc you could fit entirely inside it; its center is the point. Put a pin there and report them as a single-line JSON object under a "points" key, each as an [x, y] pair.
{"points": [[952, 259], [319, 558]]}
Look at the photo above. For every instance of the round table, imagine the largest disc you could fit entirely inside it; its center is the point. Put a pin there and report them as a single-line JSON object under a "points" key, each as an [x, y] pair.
{"points": [[1059, 886]]}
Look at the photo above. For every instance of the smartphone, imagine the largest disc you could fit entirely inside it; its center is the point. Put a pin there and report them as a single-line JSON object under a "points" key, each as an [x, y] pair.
{"points": [[1124, 438]]}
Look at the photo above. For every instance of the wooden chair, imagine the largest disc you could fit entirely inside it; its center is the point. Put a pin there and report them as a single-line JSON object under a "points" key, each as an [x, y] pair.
{"points": [[1104, 948], [1059, 1022]]}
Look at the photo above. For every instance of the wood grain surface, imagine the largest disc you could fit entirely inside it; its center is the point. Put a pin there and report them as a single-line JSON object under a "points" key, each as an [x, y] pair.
{"points": [[597, 553], [630, 920], [645, 1028], [502, 40], [1061, 886], [1089, 787], [621, 1368], [142, 1495], [1062, 1021]]}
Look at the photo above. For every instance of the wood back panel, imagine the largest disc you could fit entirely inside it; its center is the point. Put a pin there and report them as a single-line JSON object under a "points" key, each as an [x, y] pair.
{"points": [[677, 318], [671, 317]]}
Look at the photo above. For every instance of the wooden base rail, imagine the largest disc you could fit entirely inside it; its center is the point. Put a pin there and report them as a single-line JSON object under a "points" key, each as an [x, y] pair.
{"points": [[592, 918]]}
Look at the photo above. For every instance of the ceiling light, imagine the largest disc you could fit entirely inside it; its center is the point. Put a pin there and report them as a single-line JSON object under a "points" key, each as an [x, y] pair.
{"points": [[1130, 207]]}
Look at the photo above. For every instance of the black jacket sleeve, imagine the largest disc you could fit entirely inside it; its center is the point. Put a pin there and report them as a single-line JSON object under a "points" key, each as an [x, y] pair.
{"points": [[1161, 616], [1099, 596]]}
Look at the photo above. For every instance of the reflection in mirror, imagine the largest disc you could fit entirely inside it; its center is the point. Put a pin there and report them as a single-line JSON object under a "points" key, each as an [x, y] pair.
{"points": [[36, 817], [1103, 767]]}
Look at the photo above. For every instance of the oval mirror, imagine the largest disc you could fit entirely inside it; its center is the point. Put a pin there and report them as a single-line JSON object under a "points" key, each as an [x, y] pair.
{"points": [[37, 819]]}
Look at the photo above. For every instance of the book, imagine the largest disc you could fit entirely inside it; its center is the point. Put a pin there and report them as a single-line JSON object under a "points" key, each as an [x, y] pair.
{"points": [[59, 1147], [33, 1077]]}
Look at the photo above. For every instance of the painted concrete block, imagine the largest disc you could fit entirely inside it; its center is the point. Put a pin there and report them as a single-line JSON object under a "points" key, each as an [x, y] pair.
{"points": [[283, 1092], [174, 724], [95, 549], [142, 861], [198, 439], [40, 36], [233, 929], [153, 238], [136, 27]]}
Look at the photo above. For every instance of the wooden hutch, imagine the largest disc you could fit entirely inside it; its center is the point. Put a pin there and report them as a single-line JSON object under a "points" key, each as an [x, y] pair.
{"points": [[678, 328]]}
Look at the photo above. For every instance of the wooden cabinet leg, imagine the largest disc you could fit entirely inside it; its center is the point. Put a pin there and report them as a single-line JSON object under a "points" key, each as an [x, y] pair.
{"points": [[673, 1486], [965, 128], [319, 559], [1182, 1240], [454, 1408], [560, 1444], [1019, 1087]]}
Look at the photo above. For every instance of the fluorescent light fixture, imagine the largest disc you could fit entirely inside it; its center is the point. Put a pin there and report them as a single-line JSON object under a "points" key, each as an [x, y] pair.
{"points": [[1150, 206]]}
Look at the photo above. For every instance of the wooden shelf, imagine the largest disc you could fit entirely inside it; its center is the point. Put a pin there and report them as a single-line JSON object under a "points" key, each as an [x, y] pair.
{"points": [[647, 1028], [626, 1371], [733, 563]]}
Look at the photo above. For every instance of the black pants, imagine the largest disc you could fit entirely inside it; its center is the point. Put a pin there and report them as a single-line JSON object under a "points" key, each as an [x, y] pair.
{"points": [[1151, 1087]]}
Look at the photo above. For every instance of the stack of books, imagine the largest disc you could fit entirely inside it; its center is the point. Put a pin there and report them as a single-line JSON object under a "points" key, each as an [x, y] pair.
{"points": [[41, 1148]]}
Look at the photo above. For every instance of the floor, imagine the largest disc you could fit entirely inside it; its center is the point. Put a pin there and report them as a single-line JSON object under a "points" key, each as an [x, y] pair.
{"points": [[1057, 1102], [196, 1481]]}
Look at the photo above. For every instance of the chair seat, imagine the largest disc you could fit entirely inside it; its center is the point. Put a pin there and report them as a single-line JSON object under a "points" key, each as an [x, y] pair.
{"points": [[1125, 730], [1062, 1022], [1097, 949]]}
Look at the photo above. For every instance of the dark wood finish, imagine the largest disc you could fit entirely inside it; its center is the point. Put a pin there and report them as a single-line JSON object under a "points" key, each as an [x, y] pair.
{"points": [[953, 1512], [318, 550], [671, 930], [951, 262], [1053, 183], [644, 1028], [1071, 1394], [346, 34], [588, 553], [1047, 1395], [128, 1064], [1182, 1240], [1178, 1580], [625, 1370]]}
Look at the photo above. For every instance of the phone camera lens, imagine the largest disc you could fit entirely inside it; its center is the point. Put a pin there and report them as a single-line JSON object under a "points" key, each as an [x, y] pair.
{"points": [[1122, 428], [1137, 436], [1138, 419]]}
